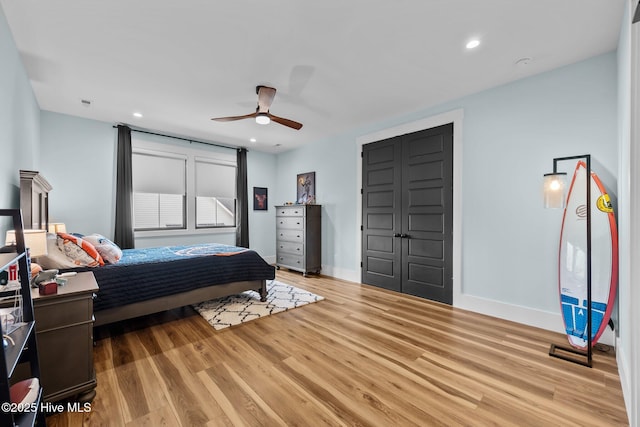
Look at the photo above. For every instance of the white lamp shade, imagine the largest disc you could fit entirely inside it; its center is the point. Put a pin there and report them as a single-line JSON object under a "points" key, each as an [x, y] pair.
{"points": [[57, 227], [35, 240], [554, 190]]}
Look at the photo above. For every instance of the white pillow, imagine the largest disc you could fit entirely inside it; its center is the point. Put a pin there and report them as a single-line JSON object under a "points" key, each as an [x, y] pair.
{"points": [[109, 251]]}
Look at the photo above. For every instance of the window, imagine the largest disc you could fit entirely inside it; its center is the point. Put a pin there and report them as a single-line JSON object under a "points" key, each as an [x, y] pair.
{"points": [[159, 191], [179, 187], [215, 199]]}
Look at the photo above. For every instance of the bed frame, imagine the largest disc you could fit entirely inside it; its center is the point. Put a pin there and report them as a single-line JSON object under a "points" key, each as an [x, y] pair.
{"points": [[194, 296], [34, 199]]}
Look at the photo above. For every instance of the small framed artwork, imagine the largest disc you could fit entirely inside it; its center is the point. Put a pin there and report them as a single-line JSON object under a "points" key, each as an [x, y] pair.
{"points": [[260, 199], [306, 188]]}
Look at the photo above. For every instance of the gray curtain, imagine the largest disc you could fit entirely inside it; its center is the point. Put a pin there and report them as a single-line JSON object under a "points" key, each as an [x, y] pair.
{"points": [[242, 193], [123, 235]]}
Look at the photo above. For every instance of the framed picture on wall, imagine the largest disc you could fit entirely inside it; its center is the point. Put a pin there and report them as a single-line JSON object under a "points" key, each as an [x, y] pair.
{"points": [[306, 188], [260, 199]]}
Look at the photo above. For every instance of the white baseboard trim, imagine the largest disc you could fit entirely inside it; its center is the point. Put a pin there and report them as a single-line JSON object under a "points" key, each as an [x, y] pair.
{"points": [[526, 315], [626, 383], [341, 273]]}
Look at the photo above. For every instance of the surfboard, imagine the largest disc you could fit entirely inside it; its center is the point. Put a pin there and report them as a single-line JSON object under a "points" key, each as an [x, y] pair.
{"points": [[573, 259]]}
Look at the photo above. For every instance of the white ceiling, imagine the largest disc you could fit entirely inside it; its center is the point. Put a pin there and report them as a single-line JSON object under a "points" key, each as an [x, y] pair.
{"points": [[337, 64]]}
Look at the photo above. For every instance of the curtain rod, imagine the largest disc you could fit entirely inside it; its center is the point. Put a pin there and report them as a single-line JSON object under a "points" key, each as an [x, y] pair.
{"points": [[181, 138]]}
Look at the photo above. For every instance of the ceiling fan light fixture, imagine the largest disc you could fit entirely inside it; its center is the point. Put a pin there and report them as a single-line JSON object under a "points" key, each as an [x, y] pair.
{"points": [[263, 119], [472, 44]]}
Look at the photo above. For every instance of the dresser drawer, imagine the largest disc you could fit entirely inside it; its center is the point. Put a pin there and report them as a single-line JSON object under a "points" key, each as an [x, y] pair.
{"points": [[292, 261], [290, 211], [290, 222], [290, 247], [289, 235], [52, 314]]}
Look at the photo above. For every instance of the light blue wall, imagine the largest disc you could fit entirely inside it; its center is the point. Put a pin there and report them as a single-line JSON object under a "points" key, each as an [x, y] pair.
{"points": [[78, 159], [511, 134], [333, 161], [262, 173], [19, 119]]}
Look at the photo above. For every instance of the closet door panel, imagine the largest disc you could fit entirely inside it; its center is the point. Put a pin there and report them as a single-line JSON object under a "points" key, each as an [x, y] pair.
{"points": [[426, 212], [381, 210]]}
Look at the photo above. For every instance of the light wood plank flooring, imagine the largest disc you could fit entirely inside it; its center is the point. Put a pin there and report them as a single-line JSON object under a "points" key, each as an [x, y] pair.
{"points": [[362, 357]]}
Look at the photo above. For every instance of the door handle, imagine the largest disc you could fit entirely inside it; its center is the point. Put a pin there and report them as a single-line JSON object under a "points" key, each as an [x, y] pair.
{"points": [[404, 236]]}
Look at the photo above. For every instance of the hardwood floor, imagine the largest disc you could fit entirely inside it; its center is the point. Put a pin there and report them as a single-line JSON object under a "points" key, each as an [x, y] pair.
{"points": [[362, 357]]}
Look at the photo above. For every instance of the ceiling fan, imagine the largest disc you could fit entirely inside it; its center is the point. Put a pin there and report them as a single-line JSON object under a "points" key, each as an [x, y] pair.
{"points": [[262, 114]]}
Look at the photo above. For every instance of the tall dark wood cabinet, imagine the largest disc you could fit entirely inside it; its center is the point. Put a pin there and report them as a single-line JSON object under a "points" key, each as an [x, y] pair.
{"points": [[298, 237], [21, 341]]}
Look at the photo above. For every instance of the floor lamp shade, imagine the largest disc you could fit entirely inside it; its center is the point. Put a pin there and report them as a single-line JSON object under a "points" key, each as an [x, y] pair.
{"points": [[554, 190]]}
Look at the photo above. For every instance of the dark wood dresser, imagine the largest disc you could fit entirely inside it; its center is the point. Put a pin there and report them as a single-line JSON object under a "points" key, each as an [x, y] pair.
{"points": [[64, 332]]}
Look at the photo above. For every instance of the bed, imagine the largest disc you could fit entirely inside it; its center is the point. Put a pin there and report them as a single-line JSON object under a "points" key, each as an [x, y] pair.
{"points": [[145, 281]]}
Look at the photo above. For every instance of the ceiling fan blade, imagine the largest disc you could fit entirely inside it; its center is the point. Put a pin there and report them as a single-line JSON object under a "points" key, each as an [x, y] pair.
{"points": [[265, 98], [286, 122], [233, 118]]}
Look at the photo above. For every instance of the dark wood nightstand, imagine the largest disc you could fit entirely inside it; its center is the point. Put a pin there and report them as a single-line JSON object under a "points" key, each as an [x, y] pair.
{"points": [[64, 332]]}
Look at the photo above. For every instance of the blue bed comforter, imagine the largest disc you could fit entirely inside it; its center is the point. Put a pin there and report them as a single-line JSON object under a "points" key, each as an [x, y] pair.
{"points": [[143, 274]]}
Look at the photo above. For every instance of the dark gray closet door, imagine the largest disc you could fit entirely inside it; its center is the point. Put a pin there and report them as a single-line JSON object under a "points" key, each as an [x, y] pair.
{"points": [[381, 213], [407, 207], [427, 213]]}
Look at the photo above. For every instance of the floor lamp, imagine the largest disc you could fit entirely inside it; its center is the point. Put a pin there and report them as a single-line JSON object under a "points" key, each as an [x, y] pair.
{"points": [[554, 197]]}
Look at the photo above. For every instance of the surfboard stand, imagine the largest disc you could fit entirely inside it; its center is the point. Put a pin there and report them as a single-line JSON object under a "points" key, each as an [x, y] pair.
{"points": [[565, 352], [553, 351]]}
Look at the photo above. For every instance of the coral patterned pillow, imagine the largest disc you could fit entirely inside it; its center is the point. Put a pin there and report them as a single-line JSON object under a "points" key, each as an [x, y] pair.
{"points": [[81, 252]]}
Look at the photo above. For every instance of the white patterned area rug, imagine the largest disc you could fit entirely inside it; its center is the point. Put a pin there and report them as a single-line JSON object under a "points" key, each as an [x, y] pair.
{"points": [[235, 309]]}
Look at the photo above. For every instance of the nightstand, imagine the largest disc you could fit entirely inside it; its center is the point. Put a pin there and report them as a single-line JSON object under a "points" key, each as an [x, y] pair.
{"points": [[64, 332]]}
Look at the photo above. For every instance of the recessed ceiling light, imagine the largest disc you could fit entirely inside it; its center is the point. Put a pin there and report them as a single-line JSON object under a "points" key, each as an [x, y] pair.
{"points": [[473, 44], [138, 115], [252, 140]]}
